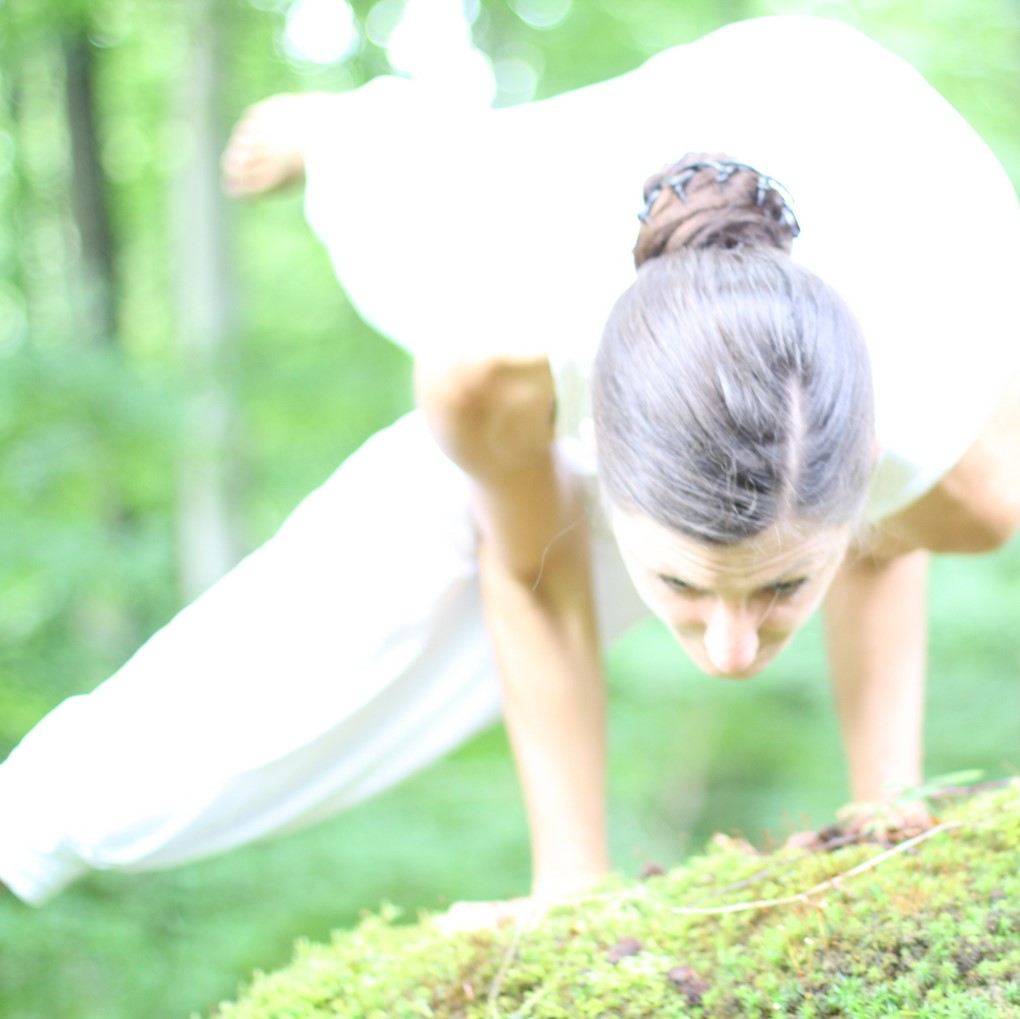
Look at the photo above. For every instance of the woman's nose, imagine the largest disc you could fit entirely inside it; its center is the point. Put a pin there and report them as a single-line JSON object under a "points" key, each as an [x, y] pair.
{"points": [[731, 639]]}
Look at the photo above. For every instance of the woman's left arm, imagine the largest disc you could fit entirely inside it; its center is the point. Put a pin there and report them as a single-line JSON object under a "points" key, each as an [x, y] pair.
{"points": [[876, 631], [876, 608]]}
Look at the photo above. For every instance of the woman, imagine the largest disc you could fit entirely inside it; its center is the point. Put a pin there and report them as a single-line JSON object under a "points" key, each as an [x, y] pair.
{"points": [[765, 441]]}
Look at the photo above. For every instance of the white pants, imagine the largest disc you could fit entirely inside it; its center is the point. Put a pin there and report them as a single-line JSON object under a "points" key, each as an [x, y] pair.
{"points": [[347, 652]]}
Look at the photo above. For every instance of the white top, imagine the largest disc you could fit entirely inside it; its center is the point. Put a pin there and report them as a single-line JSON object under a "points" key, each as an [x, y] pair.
{"points": [[512, 229]]}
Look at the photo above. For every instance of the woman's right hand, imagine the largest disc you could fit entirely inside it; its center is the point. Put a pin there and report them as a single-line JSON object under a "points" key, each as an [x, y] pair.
{"points": [[474, 916], [527, 910]]}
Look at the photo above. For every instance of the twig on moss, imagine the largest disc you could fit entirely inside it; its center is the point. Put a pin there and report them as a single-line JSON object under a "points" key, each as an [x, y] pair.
{"points": [[499, 979], [789, 863], [738, 907]]}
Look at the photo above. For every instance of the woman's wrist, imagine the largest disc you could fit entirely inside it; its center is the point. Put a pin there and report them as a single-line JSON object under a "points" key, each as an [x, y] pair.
{"points": [[570, 869], [561, 886]]}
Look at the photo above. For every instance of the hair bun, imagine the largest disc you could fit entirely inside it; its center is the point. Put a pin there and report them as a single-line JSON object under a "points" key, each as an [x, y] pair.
{"points": [[712, 201]]}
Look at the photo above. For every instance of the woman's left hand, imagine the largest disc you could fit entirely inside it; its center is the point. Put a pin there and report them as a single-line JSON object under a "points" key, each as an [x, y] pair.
{"points": [[886, 823], [891, 822]]}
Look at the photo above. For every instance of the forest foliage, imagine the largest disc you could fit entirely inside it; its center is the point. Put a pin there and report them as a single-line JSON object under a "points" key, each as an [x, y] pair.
{"points": [[176, 371]]}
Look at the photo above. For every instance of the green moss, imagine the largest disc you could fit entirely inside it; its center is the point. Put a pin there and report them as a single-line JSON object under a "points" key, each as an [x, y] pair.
{"points": [[929, 930]]}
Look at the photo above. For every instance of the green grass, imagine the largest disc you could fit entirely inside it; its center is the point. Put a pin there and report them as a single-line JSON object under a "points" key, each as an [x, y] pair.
{"points": [[690, 756]]}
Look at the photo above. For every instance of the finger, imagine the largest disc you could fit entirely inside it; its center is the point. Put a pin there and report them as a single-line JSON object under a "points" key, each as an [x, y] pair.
{"points": [[804, 840]]}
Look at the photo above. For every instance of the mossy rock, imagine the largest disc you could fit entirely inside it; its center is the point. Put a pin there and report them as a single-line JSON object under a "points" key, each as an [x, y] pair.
{"points": [[927, 928]]}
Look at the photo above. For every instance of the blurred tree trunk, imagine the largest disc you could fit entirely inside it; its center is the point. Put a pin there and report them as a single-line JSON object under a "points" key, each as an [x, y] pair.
{"points": [[89, 203], [204, 312], [103, 622]]}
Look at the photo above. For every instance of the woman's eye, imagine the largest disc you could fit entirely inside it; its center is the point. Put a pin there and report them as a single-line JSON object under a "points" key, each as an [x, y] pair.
{"points": [[787, 588], [675, 584]]}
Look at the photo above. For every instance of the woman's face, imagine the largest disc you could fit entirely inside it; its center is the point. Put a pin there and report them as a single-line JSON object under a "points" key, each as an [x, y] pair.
{"points": [[733, 608]]}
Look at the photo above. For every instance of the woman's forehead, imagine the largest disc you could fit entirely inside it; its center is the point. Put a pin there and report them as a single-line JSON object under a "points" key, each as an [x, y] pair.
{"points": [[776, 553]]}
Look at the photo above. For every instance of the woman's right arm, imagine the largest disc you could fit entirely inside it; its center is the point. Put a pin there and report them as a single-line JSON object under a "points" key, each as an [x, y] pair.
{"points": [[494, 418]]}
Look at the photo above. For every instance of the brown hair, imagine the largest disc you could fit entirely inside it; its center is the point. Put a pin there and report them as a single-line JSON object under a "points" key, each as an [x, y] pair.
{"points": [[732, 388]]}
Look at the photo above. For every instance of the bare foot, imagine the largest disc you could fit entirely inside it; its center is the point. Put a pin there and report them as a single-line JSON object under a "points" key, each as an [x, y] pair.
{"points": [[266, 151]]}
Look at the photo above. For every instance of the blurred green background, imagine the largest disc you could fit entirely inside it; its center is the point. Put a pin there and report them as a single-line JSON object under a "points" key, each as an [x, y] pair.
{"points": [[176, 372]]}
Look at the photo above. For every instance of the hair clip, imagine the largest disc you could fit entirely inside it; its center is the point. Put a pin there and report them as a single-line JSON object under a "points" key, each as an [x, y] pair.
{"points": [[724, 170], [651, 197]]}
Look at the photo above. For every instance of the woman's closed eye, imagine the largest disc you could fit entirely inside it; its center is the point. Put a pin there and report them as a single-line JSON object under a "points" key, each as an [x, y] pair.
{"points": [[783, 589], [676, 584]]}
